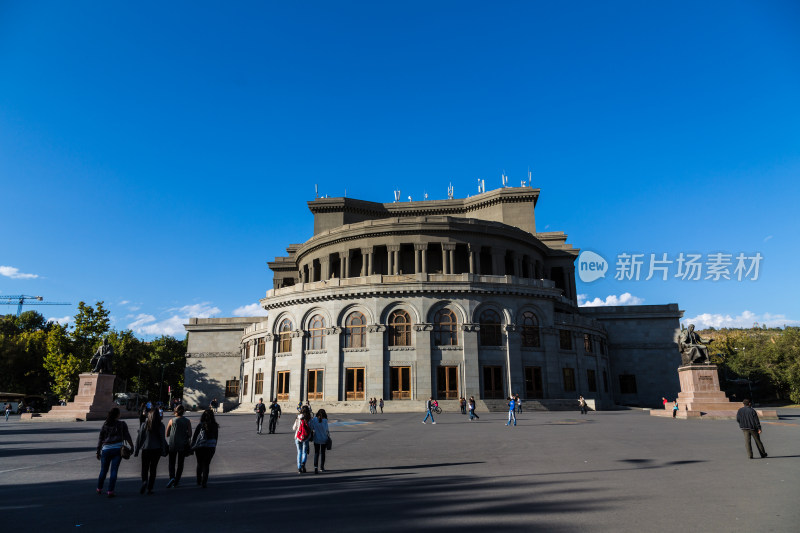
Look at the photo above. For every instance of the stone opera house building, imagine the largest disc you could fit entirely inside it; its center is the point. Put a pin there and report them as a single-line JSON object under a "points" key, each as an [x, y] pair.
{"points": [[445, 298]]}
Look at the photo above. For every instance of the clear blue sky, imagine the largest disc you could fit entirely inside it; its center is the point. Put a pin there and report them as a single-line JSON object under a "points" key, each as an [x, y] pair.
{"points": [[157, 155]]}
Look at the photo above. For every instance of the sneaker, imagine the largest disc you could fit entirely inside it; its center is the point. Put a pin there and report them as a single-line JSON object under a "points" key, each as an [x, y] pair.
{"points": [[763, 456], [300, 470], [110, 494], [304, 469], [433, 422], [143, 487], [171, 483], [99, 492], [316, 470], [321, 469], [423, 421]]}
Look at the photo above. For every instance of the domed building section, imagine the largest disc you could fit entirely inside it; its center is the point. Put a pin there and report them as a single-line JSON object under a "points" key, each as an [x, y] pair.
{"points": [[444, 299]]}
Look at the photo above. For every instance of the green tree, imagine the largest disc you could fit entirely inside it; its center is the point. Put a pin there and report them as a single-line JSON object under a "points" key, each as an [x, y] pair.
{"points": [[62, 365], [91, 323], [22, 350]]}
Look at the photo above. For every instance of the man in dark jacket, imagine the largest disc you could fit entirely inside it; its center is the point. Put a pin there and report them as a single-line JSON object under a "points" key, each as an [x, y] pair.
{"points": [[750, 425], [274, 415], [260, 410]]}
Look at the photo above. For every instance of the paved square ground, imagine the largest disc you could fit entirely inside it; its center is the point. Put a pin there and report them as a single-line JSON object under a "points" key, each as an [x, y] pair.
{"points": [[555, 471]]}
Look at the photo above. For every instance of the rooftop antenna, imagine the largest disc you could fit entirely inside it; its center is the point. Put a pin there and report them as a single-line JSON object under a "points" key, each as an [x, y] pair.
{"points": [[504, 179], [316, 190], [529, 176], [345, 193], [450, 191], [426, 195], [397, 195], [409, 199], [483, 185]]}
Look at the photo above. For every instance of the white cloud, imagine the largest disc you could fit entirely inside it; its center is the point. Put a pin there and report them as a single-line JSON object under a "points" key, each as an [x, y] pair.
{"points": [[250, 310], [625, 298], [745, 320], [124, 302], [63, 320], [145, 324], [768, 237], [14, 273]]}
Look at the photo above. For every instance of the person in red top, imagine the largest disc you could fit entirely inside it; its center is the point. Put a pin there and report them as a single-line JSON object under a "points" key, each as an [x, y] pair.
{"points": [[664, 401]]}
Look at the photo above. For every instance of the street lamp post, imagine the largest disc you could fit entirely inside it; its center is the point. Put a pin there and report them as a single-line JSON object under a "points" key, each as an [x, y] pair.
{"points": [[161, 383]]}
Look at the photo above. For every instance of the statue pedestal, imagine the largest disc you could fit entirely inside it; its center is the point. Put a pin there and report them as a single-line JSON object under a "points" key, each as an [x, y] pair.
{"points": [[94, 400], [701, 396]]}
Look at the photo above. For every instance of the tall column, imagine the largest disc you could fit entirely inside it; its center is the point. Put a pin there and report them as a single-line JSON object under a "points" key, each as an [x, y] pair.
{"points": [[311, 271], [418, 251], [325, 268], [471, 248], [365, 261], [344, 264], [371, 262], [424, 258], [472, 380], [424, 382], [296, 368], [516, 373], [394, 251], [333, 365], [390, 263], [448, 252], [374, 378]]}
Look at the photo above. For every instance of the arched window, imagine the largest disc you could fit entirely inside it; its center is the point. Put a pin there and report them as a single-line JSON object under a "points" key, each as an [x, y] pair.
{"points": [[285, 336], [316, 330], [491, 331], [399, 329], [530, 330], [445, 328], [355, 328]]}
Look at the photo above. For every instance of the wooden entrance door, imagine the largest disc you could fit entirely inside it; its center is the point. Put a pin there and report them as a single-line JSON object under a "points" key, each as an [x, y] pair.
{"points": [[447, 382], [283, 386], [314, 388], [354, 384], [401, 382], [493, 382], [533, 382]]}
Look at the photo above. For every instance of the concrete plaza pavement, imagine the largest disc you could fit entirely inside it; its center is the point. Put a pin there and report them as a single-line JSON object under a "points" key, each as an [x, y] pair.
{"points": [[555, 471]]}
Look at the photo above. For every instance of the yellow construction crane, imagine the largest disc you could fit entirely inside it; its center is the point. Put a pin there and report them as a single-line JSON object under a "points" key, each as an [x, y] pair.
{"points": [[20, 299]]}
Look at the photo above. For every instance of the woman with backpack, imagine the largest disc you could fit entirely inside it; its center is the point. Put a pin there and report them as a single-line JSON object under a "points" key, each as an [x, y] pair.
{"points": [[113, 436], [204, 444], [153, 445], [179, 437], [302, 435], [319, 426]]}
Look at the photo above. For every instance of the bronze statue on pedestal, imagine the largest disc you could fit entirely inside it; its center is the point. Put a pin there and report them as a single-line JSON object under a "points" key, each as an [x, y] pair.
{"points": [[693, 348]]}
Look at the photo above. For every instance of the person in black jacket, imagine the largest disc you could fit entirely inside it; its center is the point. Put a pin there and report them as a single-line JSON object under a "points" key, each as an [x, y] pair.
{"points": [[748, 422], [274, 415], [204, 444], [113, 436], [152, 442], [260, 410]]}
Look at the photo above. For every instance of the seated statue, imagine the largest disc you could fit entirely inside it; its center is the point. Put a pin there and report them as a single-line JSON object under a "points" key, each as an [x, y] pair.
{"points": [[693, 348], [101, 360]]}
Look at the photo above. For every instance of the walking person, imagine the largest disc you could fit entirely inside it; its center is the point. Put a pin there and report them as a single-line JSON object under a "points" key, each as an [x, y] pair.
{"points": [[319, 426], [260, 410], [113, 436], [463, 403], [381, 405], [179, 439], [152, 442], [749, 423], [215, 405], [518, 403], [302, 436], [512, 412], [582, 405], [471, 406], [674, 408], [8, 410], [204, 444], [428, 408], [274, 415]]}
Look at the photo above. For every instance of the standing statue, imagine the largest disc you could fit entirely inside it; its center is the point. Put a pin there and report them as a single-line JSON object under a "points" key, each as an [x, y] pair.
{"points": [[693, 348], [101, 360]]}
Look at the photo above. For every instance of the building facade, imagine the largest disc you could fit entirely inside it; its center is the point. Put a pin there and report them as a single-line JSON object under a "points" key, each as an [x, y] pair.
{"points": [[442, 299]]}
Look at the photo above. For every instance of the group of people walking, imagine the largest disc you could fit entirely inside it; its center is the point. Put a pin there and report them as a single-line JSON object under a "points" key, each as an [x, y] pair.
{"points": [[274, 414], [153, 442], [311, 429], [374, 404]]}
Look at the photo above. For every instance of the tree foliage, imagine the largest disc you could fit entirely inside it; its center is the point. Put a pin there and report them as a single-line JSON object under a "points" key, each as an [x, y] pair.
{"points": [[770, 357]]}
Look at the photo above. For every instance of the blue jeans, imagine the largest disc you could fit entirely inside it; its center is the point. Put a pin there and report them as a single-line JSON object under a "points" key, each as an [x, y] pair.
{"points": [[471, 414], [302, 452], [110, 457], [430, 414], [512, 416]]}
